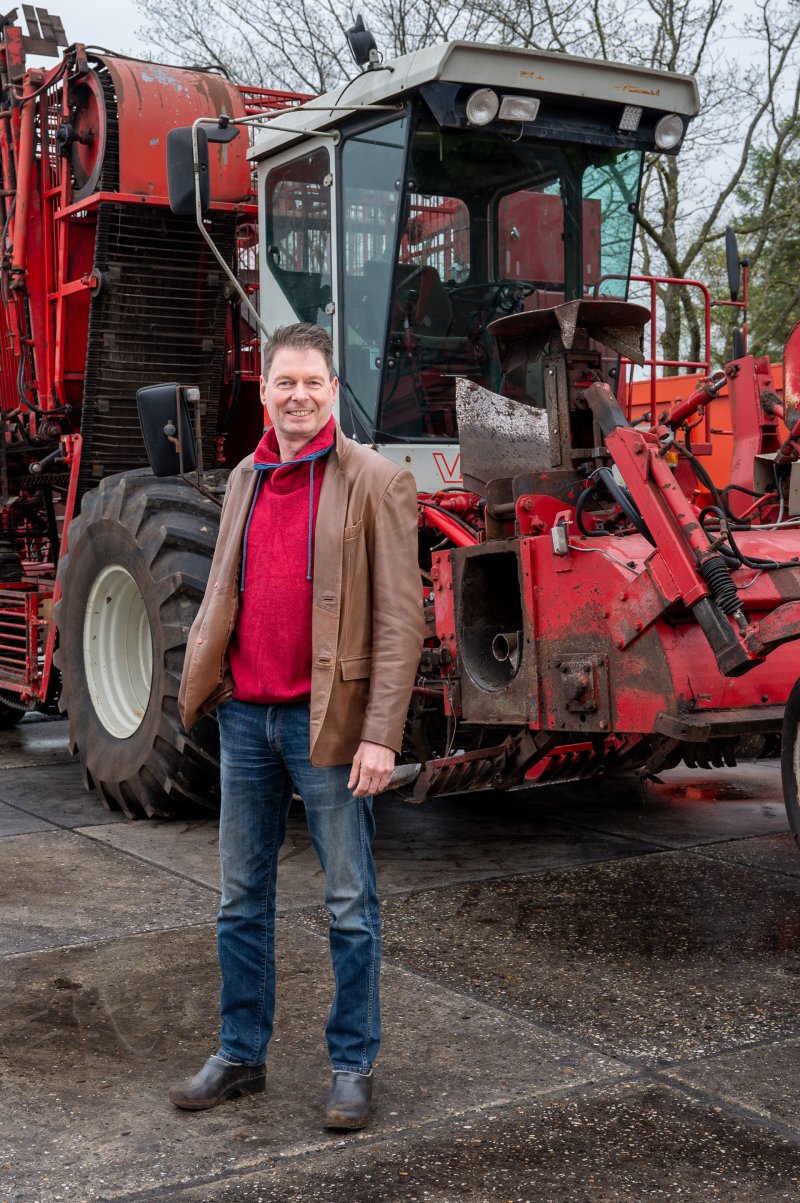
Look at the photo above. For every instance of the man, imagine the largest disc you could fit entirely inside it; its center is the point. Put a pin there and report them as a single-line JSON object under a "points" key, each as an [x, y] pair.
{"points": [[307, 642]]}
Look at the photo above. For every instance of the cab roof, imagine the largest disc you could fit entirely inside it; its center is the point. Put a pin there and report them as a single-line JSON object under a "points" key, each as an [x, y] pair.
{"points": [[536, 72]]}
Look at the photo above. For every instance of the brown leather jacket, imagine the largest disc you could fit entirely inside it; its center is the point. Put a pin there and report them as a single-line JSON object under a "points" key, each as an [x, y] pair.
{"points": [[367, 625]]}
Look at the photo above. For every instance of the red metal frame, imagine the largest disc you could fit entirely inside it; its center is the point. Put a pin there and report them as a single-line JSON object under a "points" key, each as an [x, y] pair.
{"points": [[50, 237], [74, 446], [23, 629], [653, 362], [262, 101], [647, 648], [629, 603]]}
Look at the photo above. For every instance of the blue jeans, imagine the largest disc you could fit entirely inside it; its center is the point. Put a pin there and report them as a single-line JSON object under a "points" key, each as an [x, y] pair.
{"points": [[264, 751]]}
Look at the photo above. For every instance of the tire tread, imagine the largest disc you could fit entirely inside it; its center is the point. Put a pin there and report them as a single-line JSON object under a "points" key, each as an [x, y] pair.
{"points": [[174, 528]]}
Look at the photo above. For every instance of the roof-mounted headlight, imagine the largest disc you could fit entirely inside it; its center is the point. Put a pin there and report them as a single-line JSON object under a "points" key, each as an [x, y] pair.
{"points": [[629, 121], [482, 106], [519, 108], [668, 132]]}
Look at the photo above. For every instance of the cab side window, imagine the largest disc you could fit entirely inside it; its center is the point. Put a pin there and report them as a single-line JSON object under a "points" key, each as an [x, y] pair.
{"points": [[298, 223]]}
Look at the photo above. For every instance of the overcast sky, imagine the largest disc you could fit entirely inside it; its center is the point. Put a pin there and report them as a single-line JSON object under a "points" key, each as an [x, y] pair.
{"points": [[112, 25]]}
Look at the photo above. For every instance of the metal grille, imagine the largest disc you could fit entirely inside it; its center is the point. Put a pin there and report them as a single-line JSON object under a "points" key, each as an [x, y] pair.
{"points": [[159, 317], [109, 177], [267, 100], [22, 634]]}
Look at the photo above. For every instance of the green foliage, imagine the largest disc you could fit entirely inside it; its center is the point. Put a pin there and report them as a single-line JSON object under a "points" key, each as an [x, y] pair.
{"points": [[770, 236]]}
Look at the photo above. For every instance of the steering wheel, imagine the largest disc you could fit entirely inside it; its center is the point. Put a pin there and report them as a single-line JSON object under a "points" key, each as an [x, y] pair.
{"points": [[506, 295], [510, 294], [478, 291]]}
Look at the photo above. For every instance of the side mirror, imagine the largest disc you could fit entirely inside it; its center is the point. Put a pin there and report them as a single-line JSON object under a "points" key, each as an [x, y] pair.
{"points": [[180, 171], [159, 406], [732, 262], [180, 164]]}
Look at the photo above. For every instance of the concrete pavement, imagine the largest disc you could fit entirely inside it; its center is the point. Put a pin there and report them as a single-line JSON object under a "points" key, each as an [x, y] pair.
{"points": [[590, 994]]}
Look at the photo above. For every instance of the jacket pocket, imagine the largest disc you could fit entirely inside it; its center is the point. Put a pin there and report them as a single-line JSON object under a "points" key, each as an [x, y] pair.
{"points": [[356, 667], [352, 532]]}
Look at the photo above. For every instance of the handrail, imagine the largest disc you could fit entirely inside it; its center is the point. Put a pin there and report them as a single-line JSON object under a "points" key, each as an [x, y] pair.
{"points": [[653, 361]]}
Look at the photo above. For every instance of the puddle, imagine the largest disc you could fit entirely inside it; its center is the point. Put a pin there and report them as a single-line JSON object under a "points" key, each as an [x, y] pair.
{"points": [[722, 791]]}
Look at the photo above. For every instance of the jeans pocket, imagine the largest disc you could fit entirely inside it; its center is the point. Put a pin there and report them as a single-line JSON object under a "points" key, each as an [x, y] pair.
{"points": [[223, 707]]}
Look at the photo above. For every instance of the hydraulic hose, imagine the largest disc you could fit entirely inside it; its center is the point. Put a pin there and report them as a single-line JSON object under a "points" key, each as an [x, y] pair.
{"points": [[618, 494], [748, 561], [625, 502], [456, 531], [719, 509], [583, 499]]}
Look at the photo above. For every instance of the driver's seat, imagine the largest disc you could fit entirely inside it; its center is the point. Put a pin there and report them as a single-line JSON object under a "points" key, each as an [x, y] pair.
{"points": [[431, 313]]}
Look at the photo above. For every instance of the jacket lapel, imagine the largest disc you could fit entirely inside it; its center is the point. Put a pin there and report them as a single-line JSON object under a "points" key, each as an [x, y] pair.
{"points": [[235, 540], [327, 588]]}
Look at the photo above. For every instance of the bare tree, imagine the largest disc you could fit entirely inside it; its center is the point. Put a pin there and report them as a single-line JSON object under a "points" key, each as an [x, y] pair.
{"points": [[298, 44], [747, 103], [687, 200]]}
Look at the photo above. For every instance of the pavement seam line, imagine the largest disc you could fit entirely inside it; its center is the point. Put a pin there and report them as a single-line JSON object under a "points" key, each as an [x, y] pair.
{"points": [[523, 1020], [103, 941], [660, 845], [361, 1141], [81, 834], [752, 1116], [751, 1046], [744, 864], [308, 908]]}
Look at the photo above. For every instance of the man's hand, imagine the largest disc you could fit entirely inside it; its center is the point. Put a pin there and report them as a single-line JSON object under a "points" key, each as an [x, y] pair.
{"points": [[373, 765]]}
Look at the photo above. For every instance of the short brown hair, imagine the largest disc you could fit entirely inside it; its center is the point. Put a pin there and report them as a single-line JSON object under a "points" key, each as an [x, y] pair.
{"points": [[301, 336]]}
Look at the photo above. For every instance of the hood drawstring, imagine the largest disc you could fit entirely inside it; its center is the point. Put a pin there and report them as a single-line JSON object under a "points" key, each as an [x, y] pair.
{"points": [[310, 516], [243, 567], [260, 468]]}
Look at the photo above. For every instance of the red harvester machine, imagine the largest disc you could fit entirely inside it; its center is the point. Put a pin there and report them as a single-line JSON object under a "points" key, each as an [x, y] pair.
{"points": [[448, 219], [104, 291]]}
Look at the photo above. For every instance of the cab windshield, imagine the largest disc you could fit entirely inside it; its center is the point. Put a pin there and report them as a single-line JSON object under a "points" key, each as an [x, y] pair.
{"points": [[459, 228]]}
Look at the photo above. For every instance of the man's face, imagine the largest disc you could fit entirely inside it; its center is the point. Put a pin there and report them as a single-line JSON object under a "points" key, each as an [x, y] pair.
{"points": [[298, 395]]}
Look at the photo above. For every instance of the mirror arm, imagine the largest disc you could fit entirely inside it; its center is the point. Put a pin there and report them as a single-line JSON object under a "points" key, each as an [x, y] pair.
{"points": [[198, 209], [270, 123], [335, 136]]}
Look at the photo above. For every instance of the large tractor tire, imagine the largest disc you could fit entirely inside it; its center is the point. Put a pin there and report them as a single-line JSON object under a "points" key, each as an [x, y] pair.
{"points": [[132, 580], [10, 713], [790, 760]]}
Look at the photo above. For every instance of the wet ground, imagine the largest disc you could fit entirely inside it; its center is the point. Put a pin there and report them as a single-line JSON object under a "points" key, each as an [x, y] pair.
{"points": [[591, 993]]}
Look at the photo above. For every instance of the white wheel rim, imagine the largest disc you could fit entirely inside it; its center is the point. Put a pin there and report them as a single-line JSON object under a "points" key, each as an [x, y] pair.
{"points": [[118, 651]]}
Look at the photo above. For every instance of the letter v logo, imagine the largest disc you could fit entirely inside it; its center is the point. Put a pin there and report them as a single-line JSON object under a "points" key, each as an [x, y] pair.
{"points": [[449, 472]]}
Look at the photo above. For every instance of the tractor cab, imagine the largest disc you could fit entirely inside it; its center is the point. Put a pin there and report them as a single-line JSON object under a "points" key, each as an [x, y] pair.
{"points": [[432, 195]]}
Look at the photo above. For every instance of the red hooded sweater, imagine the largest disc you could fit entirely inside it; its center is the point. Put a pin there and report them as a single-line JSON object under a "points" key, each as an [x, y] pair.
{"points": [[270, 652]]}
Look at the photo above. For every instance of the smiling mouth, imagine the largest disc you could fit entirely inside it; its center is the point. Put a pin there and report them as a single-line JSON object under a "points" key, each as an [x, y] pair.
{"points": [[299, 413]]}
